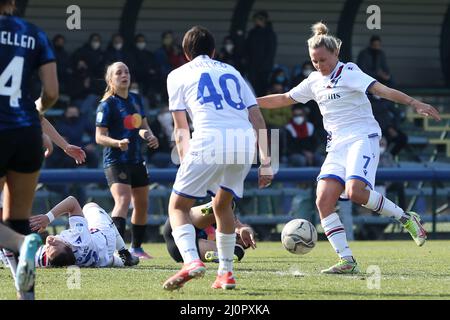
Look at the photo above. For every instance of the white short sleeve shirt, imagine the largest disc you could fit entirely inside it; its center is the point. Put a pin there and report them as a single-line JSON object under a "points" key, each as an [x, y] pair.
{"points": [[342, 99]]}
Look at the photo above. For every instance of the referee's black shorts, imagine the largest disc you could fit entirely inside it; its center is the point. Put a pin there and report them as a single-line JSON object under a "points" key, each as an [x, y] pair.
{"points": [[131, 174], [22, 150]]}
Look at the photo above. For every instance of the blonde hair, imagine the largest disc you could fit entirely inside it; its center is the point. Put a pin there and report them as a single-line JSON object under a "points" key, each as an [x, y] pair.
{"points": [[321, 38], [110, 90]]}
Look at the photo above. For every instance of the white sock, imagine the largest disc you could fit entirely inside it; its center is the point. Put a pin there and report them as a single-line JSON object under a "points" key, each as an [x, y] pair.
{"points": [[335, 232], [382, 205], [184, 237], [120, 244], [225, 249]]}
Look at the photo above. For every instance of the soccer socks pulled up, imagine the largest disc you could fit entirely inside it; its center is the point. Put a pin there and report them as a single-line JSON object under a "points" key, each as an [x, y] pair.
{"points": [[225, 250], [335, 232], [120, 224], [184, 237], [383, 206], [137, 235]]}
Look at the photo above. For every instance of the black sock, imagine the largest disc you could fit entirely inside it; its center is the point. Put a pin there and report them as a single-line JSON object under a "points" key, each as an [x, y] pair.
{"points": [[239, 251], [137, 235], [19, 226], [120, 223]]}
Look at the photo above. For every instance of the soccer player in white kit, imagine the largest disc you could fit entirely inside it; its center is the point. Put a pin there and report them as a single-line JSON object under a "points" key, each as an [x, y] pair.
{"points": [[353, 140], [90, 241], [224, 114]]}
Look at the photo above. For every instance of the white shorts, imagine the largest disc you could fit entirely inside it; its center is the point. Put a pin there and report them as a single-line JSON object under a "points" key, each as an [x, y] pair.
{"points": [[355, 160], [98, 219], [196, 180]]}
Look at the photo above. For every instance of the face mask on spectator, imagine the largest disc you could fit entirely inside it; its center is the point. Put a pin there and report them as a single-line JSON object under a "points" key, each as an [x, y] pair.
{"points": [[140, 45], [118, 45], [134, 90], [307, 72], [95, 45], [280, 79], [299, 120], [382, 150], [167, 41], [229, 47]]}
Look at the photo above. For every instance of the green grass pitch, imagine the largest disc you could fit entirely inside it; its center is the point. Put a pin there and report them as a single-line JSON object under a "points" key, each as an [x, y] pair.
{"points": [[269, 272]]}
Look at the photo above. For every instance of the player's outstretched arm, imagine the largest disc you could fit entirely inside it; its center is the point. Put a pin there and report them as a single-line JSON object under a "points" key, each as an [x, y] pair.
{"points": [[181, 133], [275, 101], [385, 92], [72, 151], [69, 205], [50, 87], [265, 173]]}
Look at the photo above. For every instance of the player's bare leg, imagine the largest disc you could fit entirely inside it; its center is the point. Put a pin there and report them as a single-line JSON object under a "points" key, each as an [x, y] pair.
{"points": [[184, 235], [358, 193], [19, 191], [139, 221], [328, 192], [121, 193], [225, 239]]}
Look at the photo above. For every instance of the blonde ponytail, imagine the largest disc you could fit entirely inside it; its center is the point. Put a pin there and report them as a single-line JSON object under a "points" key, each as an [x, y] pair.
{"points": [[321, 38]]}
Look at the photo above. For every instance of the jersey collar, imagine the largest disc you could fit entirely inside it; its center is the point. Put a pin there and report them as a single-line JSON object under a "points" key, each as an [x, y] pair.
{"points": [[332, 74]]}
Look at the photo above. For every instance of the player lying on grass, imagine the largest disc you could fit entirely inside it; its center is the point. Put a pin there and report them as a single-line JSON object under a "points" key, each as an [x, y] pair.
{"points": [[203, 219], [90, 241]]}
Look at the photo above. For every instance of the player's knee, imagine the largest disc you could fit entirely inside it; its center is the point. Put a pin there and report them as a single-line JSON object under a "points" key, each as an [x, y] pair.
{"points": [[123, 200], [355, 193]]}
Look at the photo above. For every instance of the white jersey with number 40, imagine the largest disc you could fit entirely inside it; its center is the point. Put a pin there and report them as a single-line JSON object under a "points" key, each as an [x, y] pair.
{"points": [[217, 99]]}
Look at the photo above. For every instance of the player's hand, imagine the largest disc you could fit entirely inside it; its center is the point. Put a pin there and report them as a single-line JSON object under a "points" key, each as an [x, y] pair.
{"points": [[247, 237], [123, 144], [48, 145], [426, 110], [39, 222], [152, 141], [76, 153], [265, 176]]}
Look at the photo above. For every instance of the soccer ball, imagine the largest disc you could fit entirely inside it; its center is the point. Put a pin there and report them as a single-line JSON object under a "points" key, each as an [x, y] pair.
{"points": [[299, 236]]}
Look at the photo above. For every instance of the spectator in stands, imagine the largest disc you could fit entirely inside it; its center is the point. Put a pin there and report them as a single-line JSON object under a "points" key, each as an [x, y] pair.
{"points": [[93, 55], [397, 140], [136, 89], [302, 73], [260, 49], [162, 128], [168, 57], [373, 62], [73, 128], [145, 70], [229, 55], [62, 62], [116, 51], [81, 90], [301, 141], [279, 76]]}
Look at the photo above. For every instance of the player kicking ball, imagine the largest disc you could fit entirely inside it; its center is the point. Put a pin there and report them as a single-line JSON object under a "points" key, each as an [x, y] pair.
{"points": [[223, 110], [353, 140], [90, 241]]}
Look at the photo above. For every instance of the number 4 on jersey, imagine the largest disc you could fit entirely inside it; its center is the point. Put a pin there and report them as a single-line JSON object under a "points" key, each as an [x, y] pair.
{"points": [[12, 75], [213, 96], [205, 82]]}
